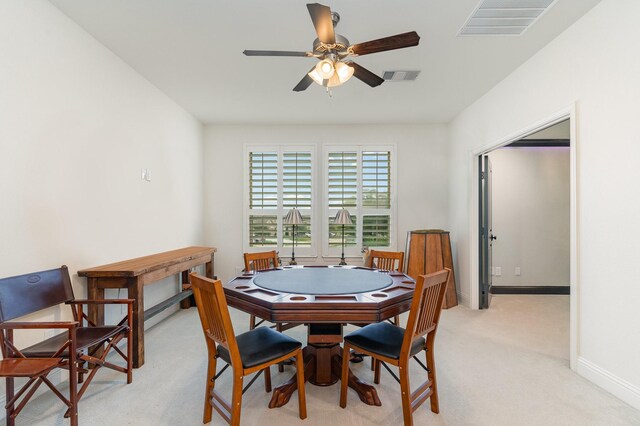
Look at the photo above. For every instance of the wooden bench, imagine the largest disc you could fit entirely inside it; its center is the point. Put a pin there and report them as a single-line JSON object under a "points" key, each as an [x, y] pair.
{"points": [[135, 274]]}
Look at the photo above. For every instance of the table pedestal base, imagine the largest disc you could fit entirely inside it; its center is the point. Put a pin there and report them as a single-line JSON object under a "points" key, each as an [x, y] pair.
{"points": [[323, 367]]}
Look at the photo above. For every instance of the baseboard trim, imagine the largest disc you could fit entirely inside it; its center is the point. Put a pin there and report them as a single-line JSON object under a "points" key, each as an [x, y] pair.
{"points": [[613, 384], [537, 289]]}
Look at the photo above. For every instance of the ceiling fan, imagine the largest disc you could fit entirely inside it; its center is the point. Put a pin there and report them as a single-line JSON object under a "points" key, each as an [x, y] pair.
{"points": [[332, 50]]}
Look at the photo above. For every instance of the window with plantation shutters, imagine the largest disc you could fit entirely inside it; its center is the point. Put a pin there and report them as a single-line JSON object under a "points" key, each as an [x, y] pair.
{"points": [[376, 198], [263, 199], [342, 178], [359, 179], [278, 179], [296, 180], [376, 179], [297, 191]]}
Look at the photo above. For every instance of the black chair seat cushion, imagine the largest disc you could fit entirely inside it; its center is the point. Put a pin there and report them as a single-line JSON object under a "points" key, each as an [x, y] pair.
{"points": [[383, 339], [85, 337], [260, 345]]}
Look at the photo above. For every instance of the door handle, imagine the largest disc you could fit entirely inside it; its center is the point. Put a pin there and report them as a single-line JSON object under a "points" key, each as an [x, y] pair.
{"points": [[493, 237]]}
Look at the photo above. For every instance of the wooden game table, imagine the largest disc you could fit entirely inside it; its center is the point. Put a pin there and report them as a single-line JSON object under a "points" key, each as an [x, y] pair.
{"points": [[324, 298]]}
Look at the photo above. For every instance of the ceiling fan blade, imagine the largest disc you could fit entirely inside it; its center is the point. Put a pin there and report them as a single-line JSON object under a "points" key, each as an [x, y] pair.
{"points": [[275, 53], [304, 83], [361, 73], [321, 17], [397, 41]]}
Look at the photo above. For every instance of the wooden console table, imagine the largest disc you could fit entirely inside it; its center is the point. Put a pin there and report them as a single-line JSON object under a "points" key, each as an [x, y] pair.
{"points": [[134, 274]]}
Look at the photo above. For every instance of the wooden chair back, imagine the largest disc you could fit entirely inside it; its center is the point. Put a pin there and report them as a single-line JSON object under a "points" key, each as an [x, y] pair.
{"points": [[25, 294], [214, 316], [261, 261], [386, 260], [426, 306]]}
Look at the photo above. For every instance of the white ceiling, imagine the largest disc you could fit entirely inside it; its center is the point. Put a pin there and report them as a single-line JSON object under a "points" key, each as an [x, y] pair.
{"points": [[192, 51]]}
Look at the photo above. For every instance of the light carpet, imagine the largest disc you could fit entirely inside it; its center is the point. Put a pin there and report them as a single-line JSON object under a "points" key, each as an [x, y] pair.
{"points": [[504, 366]]}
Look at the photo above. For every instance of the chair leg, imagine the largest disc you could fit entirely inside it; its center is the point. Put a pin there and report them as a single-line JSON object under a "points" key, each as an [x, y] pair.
{"points": [[130, 354], [376, 371], [80, 374], [267, 379], [344, 379], [435, 403], [405, 390], [302, 400], [211, 373], [280, 364], [252, 322], [236, 399], [9, 394]]}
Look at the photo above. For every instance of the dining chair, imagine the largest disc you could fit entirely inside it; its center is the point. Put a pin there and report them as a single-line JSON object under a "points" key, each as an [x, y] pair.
{"points": [[254, 262], [252, 352], [391, 344], [263, 261], [386, 260]]}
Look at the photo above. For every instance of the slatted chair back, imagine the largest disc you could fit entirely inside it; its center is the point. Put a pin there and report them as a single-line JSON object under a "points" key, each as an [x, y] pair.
{"points": [[214, 316], [25, 294], [426, 306], [386, 260], [260, 261]]}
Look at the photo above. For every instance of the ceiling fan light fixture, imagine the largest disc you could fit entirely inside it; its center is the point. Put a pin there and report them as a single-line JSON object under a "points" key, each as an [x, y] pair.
{"points": [[315, 75], [325, 69], [344, 72]]}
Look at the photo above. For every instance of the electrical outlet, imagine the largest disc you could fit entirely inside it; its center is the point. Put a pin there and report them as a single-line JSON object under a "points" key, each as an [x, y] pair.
{"points": [[498, 271], [517, 270]]}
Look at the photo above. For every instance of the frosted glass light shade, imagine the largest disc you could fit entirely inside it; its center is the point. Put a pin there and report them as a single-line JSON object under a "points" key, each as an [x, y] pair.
{"points": [[339, 74], [343, 73]]}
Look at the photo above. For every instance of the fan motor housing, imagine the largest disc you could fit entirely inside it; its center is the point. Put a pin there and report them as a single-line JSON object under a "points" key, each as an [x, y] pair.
{"points": [[340, 46]]}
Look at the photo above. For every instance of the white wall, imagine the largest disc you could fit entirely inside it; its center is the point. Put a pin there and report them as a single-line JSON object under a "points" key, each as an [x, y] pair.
{"points": [[595, 63], [422, 177], [530, 205], [76, 126]]}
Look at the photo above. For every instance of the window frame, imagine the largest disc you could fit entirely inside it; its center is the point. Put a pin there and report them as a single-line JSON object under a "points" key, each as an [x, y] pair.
{"points": [[280, 211], [359, 211]]}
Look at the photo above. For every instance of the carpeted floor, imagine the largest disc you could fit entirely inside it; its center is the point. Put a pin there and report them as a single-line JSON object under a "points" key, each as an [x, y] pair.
{"points": [[504, 366]]}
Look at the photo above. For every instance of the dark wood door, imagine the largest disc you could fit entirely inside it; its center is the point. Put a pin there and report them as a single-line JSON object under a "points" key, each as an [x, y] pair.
{"points": [[486, 231]]}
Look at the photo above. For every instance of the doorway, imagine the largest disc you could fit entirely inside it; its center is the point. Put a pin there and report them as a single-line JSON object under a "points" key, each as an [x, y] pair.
{"points": [[483, 235], [525, 202]]}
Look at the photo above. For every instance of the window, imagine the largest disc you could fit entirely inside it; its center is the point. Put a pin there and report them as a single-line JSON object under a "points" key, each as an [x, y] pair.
{"points": [[279, 178], [359, 179]]}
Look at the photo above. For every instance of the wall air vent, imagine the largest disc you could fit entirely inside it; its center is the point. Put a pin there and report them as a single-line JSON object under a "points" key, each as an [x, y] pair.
{"points": [[400, 75], [504, 17]]}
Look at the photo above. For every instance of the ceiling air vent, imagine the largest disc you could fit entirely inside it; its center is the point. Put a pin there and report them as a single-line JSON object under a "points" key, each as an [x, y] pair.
{"points": [[400, 75], [504, 17]]}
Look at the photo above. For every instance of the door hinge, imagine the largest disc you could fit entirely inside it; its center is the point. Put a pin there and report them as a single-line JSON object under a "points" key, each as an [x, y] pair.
{"points": [[482, 175]]}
